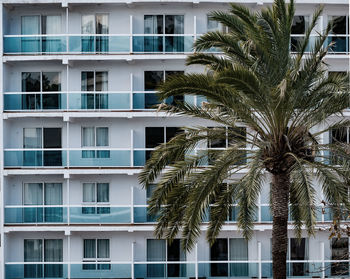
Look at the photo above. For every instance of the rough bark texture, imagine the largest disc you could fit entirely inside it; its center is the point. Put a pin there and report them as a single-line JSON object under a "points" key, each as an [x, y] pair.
{"points": [[279, 199]]}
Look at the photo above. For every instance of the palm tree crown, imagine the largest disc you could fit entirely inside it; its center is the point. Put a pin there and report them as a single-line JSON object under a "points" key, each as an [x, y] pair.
{"points": [[285, 101]]}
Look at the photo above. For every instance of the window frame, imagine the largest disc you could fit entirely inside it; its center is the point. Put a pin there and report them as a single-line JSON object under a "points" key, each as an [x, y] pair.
{"points": [[41, 82], [94, 14], [40, 22], [43, 192], [94, 91], [42, 137], [95, 194], [43, 247], [96, 260], [163, 22], [95, 137]]}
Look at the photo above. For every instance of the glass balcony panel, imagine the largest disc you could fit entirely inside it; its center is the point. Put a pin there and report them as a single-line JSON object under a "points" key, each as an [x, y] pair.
{"points": [[266, 215], [141, 215], [104, 270], [228, 270], [99, 215], [35, 158], [30, 44], [35, 101], [54, 44], [340, 44], [266, 270], [167, 44], [28, 270], [19, 215], [145, 100], [300, 269], [99, 44], [337, 269], [99, 101], [100, 158], [160, 270], [119, 44], [140, 157]]}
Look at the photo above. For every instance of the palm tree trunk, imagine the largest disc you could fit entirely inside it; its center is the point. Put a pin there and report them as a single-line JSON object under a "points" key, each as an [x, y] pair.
{"points": [[279, 208]]}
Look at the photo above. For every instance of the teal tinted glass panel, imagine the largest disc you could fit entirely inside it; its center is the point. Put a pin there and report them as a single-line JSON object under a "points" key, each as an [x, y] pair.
{"points": [[98, 215], [103, 158]]}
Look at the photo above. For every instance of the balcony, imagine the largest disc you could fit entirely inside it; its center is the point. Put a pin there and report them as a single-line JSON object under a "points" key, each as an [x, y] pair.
{"points": [[85, 101], [97, 44], [128, 44], [175, 269], [118, 214]]}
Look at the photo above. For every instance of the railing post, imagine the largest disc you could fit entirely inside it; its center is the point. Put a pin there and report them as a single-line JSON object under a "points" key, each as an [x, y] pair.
{"points": [[132, 205], [132, 148], [131, 91], [133, 260], [322, 258], [196, 261], [131, 33], [259, 260]]}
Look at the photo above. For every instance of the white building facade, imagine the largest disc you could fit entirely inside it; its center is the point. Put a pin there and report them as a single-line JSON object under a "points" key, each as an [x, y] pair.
{"points": [[77, 125]]}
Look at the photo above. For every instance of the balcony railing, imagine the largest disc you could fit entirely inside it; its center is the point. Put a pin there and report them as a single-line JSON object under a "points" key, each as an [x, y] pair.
{"points": [[97, 44], [126, 43], [176, 269], [119, 214], [84, 101]]}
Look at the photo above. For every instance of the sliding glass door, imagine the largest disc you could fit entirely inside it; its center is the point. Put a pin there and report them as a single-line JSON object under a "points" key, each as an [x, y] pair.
{"points": [[164, 25], [47, 250], [96, 25]]}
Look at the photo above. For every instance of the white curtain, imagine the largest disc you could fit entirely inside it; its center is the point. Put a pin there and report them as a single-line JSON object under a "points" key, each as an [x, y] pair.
{"points": [[53, 250], [102, 192], [88, 136], [33, 194], [102, 24], [32, 138], [101, 81], [89, 192], [33, 250], [155, 250], [238, 252], [102, 136], [89, 248], [53, 193], [238, 249], [88, 24], [51, 24], [103, 248], [30, 25]]}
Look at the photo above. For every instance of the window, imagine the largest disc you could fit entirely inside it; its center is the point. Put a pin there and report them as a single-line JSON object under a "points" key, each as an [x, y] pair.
{"points": [[95, 24], [340, 251], [40, 82], [47, 138], [340, 136], [233, 249], [299, 26], [159, 250], [43, 250], [339, 33], [94, 81], [298, 251], [95, 137], [42, 194], [213, 25], [95, 251], [95, 194], [232, 136], [164, 24], [152, 79], [41, 25], [158, 135]]}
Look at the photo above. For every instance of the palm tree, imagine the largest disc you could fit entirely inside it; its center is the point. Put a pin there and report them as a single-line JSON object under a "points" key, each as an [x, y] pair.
{"points": [[285, 100]]}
